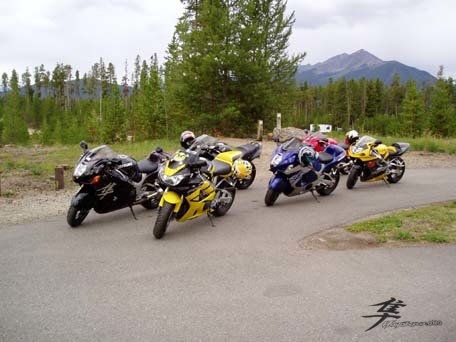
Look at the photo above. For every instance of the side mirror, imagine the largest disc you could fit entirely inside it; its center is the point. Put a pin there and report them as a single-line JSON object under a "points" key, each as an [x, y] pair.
{"points": [[377, 142], [276, 139], [84, 145], [159, 149]]}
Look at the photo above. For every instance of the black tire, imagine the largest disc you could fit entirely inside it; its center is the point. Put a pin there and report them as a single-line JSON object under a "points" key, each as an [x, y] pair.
{"points": [[75, 216], [152, 203], [352, 178], [221, 210], [325, 190], [398, 169], [164, 216], [243, 184], [271, 197]]}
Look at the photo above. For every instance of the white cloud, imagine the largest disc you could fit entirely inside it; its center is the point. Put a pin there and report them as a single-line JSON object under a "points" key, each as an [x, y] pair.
{"points": [[78, 32]]}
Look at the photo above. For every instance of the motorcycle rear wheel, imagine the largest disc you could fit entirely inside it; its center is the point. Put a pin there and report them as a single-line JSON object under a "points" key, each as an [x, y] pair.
{"points": [[243, 184], [222, 209], [400, 168], [326, 190], [75, 216], [164, 217], [271, 197], [352, 178], [153, 202]]}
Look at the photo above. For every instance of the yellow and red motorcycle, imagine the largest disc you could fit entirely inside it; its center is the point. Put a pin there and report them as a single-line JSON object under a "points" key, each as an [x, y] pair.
{"points": [[374, 161], [195, 186]]}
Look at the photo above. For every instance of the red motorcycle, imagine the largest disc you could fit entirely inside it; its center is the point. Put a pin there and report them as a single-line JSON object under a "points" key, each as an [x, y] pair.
{"points": [[320, 141]]}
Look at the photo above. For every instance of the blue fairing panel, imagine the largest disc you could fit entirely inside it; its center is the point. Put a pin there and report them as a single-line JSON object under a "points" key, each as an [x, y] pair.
{"points": [[279, 184]]}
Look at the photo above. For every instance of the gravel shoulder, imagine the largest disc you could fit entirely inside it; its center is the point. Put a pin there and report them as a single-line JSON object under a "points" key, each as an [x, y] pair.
{"points": [[35, 200]]}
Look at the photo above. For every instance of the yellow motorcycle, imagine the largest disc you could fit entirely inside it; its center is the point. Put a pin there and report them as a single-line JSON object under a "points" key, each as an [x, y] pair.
{"points": [[195, 186], [374, 161]]}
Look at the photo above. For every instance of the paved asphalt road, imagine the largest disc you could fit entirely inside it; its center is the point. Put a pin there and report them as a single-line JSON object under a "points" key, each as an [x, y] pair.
{"points": [[245, 280]]}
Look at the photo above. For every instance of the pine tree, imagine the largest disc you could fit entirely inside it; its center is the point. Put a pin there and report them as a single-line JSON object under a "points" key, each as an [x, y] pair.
{"points": [[14, 126], [443, 114], [413, 116]]}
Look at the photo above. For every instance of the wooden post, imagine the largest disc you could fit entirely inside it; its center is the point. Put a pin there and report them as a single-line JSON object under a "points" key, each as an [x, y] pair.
{"points": [[279, 121], [59, 178], [260, 130]]}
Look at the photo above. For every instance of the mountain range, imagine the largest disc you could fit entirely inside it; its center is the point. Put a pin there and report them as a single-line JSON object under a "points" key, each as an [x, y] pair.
{"points": [[357, 65]]}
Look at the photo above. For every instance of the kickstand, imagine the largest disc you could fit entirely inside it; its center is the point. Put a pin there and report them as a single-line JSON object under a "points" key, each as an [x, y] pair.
{"points": [[386, 182], [209, 216], [314, 196], [133, 213]]}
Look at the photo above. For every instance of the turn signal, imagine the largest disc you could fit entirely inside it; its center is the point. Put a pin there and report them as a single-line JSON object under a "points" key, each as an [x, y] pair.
{"points": [[96, 180]]}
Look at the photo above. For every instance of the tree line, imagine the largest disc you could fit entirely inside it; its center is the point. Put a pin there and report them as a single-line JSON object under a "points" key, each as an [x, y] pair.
{"points": [[226, 67]]}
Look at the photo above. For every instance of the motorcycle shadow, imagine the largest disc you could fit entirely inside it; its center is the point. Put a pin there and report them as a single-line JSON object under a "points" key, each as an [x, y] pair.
{"points": [[121, 218]]}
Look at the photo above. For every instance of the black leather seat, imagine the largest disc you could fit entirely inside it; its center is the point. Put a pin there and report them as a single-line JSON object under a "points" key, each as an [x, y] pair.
{"points": [[325, 157], [146, 166], [400, 148], [220, 168], [248, 150]]}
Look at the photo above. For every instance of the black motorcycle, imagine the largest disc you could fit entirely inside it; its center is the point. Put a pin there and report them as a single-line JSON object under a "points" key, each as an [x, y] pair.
{"points": [[111, 181]]}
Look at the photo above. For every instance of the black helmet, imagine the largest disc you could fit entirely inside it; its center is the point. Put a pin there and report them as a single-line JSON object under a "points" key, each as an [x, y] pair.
{"points": [[186, 139]]}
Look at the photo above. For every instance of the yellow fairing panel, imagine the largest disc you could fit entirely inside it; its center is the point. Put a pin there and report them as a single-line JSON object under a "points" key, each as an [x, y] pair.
{"points": [[170, 171], [173, 198], [383, 150], [228, 157], [199, 201]]}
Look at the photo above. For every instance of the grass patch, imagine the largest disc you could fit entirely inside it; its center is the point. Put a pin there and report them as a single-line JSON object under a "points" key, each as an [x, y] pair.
{"points": [[435, 224], [43, 160]]}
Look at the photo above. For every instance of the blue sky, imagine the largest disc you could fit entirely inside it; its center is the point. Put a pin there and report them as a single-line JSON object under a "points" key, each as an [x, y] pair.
{"points": [[78, 32]]}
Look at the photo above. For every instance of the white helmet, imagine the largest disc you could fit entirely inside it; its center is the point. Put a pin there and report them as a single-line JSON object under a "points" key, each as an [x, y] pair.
{"points": [[306, 155], [352, 136]]}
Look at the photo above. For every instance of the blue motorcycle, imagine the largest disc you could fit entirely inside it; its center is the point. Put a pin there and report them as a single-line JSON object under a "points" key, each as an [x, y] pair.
{"points": [[298, 168]]}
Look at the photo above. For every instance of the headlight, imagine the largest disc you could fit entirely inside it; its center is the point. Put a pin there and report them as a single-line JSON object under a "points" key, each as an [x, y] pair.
{"points": [[170, 180], [356, 149], [80, 169], [276, 160]]}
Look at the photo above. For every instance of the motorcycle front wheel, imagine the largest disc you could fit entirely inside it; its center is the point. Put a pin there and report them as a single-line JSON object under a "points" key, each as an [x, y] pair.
{"points": [[164, 217], [352, 178], [243, 184], [75, 216], [271, 197]]}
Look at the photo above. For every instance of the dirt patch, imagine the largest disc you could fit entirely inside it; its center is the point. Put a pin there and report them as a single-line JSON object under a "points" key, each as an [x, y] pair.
{"points": [[338, 239]]}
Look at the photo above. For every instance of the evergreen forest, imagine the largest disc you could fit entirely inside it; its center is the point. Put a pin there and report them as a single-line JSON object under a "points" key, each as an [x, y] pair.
{"points": [[227, 66]]}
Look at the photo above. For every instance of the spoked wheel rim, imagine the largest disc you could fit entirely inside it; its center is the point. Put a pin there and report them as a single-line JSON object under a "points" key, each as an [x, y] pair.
{"points": [[397, 169]]}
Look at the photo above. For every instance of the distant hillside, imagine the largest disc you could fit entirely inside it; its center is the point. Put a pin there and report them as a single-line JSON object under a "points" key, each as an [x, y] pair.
{"points": [[358, 65]]}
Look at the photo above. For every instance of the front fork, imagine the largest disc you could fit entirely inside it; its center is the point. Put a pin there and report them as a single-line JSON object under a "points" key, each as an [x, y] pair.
{"points": [[84, 198]]}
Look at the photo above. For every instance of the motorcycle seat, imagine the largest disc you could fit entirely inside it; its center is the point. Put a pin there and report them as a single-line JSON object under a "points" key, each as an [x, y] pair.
{"points": [[248, 151], [220, 168], [147, 166], [325, 157], [400, 148]]}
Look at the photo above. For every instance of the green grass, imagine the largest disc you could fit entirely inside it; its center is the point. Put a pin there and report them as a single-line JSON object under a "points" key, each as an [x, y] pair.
{"points": [[42, 161], [436, 224]]}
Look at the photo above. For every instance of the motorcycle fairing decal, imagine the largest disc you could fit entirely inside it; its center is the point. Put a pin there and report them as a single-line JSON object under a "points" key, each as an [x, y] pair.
{"points": [[106, 190]]}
